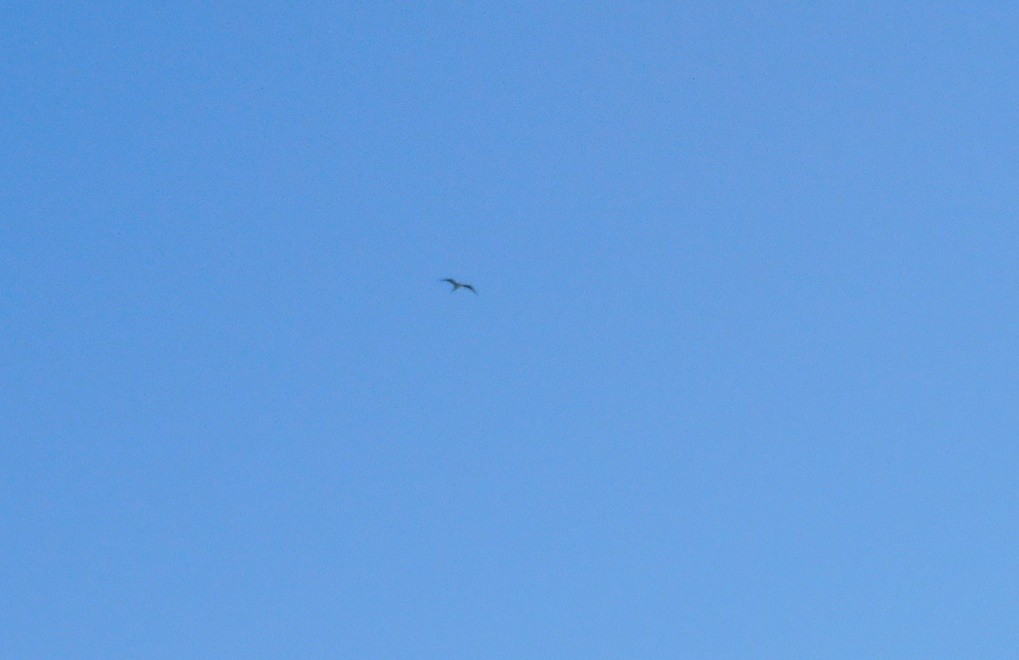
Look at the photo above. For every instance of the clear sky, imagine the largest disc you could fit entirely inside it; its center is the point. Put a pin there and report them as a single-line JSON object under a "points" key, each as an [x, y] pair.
{"points": [[741, 380]]}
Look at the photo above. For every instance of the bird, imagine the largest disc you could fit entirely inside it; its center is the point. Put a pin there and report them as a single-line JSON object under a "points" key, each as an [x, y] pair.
{"points": [[459, 285]]}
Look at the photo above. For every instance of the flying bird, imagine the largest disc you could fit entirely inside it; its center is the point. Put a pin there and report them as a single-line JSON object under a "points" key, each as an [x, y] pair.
{"points": [[459, 285]]}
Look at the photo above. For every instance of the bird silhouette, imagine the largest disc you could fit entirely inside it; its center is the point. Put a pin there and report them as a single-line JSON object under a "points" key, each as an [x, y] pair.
{"points": [[459, 285]]}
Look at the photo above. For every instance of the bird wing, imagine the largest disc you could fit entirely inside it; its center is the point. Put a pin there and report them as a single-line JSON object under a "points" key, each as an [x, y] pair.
{"points": [[468, 286], [451, 281]]}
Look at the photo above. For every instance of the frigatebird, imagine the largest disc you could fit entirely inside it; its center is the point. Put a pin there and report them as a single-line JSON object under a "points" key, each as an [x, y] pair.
{"points": [[459, 285]]}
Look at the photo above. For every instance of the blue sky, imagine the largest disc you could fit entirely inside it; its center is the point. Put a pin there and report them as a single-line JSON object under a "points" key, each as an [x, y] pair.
{"points": [[740, 380]]}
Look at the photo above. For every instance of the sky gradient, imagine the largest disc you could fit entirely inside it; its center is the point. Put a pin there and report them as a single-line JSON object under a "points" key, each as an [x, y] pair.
{"points": [[740, 380]]}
